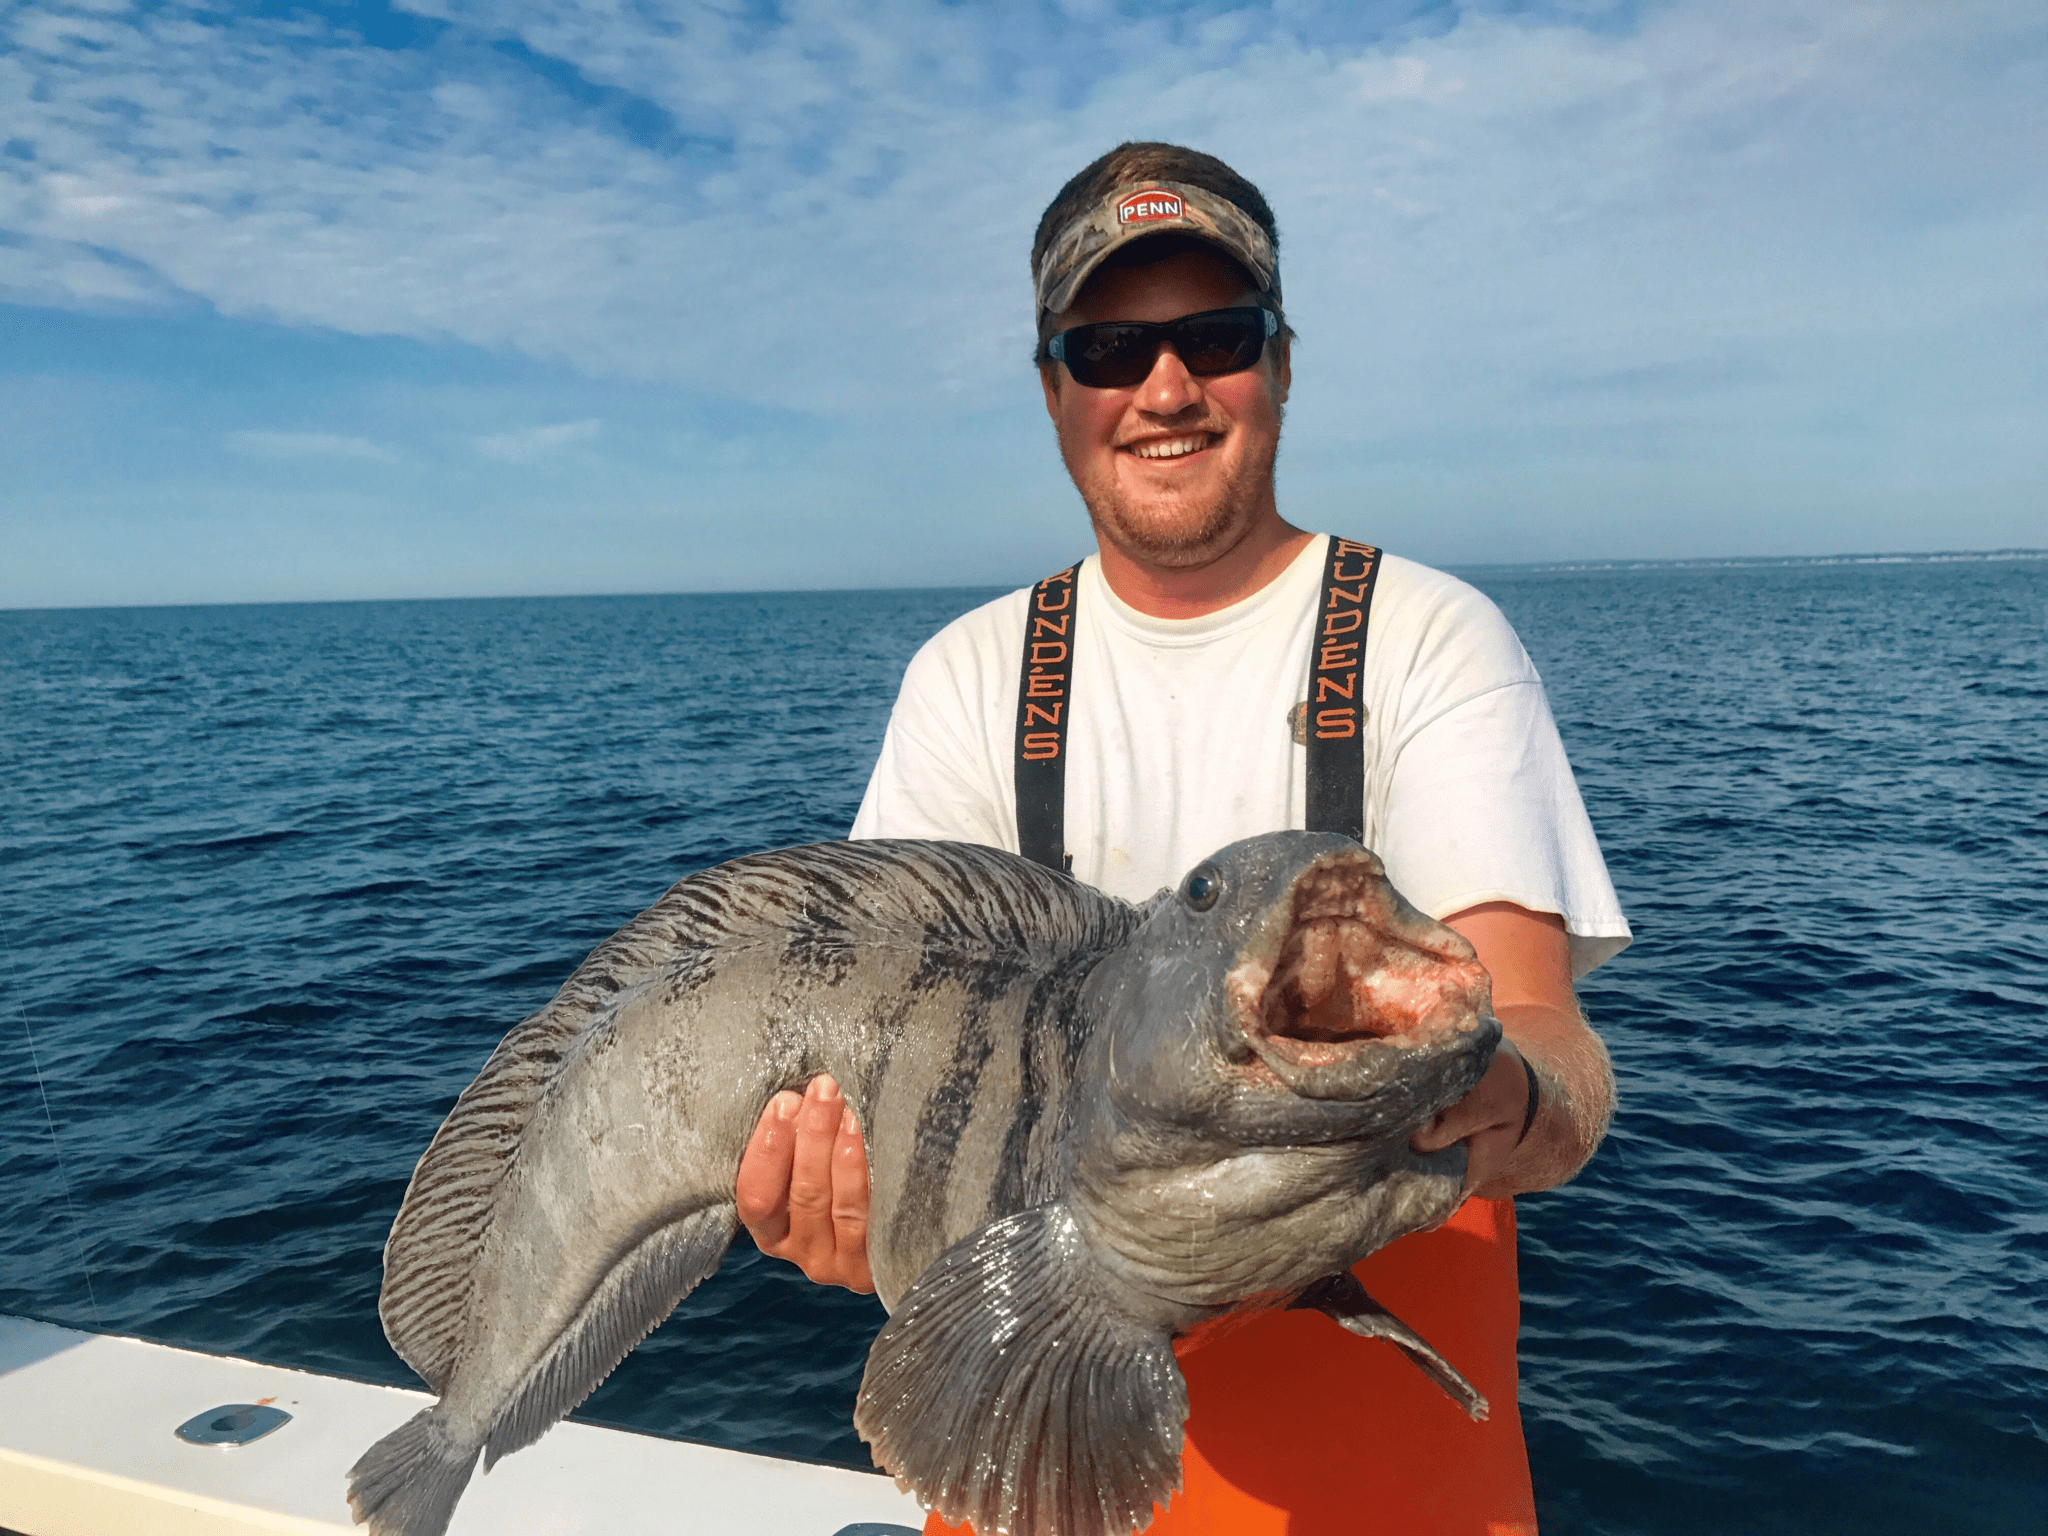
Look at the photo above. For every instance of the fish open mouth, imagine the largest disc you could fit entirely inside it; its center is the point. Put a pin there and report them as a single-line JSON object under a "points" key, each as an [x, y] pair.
{"points": [[1354, 968]]}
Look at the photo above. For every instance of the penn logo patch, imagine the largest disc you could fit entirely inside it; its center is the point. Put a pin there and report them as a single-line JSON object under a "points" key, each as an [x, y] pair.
{"points": [[1143, 207]]}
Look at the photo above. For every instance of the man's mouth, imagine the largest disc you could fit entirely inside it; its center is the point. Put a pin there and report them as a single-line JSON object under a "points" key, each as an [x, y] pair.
{"points": [[1173, 447]]}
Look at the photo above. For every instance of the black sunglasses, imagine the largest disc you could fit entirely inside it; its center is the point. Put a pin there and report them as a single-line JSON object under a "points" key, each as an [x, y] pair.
{"points": [[1119, 353]]}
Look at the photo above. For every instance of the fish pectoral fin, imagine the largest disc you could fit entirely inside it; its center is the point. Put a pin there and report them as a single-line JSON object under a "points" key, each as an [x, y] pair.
{"points": [[1341, 1298], [1009, 1389]]}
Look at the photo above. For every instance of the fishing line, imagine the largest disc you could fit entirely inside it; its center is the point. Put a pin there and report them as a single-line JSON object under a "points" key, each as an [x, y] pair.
{"points": [[50, 1120]]}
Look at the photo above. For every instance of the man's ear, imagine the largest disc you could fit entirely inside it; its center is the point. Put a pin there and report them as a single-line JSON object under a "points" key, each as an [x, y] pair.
{"points": [[1283, 368], [1049, 381]]}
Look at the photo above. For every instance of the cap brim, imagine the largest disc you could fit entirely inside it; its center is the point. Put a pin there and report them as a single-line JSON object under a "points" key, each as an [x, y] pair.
{"points": [[1093, 237]]}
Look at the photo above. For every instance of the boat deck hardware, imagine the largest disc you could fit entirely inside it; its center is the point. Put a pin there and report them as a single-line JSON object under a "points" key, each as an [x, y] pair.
{"points": [[233, 1424]]}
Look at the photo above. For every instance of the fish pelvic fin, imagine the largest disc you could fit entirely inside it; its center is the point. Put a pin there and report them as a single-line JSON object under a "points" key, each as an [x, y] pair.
{"points": [[1009, 1390], [1342, 1299], [407, 1483], [630, 1303]]}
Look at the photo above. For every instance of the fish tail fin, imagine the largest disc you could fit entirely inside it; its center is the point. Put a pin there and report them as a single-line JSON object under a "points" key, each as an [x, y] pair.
{"points": [[1009, 1391], [408, 1482]]}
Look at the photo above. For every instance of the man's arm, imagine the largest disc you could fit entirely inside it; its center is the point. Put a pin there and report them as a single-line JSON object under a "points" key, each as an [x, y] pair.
{"points": [[1525, 954]]}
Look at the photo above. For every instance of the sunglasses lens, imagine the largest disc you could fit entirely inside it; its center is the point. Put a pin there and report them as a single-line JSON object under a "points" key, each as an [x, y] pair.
{"points": [[1111, 356], [1227, 342]]}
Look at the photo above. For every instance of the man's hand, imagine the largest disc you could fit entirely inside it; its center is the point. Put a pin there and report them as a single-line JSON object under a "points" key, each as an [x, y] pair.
{"points": [[1525, 954], [803, 1186], [1488, 1120]]}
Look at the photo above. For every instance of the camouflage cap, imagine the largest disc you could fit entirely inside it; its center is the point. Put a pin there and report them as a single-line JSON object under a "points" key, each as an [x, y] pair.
{"points": [[1137, 211]]}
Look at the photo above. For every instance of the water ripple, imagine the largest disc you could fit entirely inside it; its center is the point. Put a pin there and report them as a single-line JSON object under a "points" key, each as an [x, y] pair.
{"points": [[277, 879]]}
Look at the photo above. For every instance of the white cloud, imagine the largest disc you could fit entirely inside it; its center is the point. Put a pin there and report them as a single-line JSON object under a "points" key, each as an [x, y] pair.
{"points": [[62, 275], [843, 181], [309, 445], [524, 447], [1508, 238]]}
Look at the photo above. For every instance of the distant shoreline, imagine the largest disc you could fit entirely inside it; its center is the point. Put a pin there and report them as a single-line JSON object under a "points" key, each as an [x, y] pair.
{"points": [[1725, 562]]}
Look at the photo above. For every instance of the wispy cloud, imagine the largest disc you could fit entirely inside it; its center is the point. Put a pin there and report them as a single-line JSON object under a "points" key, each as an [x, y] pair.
{"points": [[1672, 276], [535, 442], [678, 192], [63, 273], [309, 445]]}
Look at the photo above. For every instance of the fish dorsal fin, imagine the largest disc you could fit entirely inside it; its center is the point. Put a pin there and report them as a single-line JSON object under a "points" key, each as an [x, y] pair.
{"points": [[1008, 1389], [428, 1258]]}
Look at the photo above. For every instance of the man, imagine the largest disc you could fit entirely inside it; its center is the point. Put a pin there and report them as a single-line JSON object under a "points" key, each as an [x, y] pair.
{"points": [[1192, 650]]}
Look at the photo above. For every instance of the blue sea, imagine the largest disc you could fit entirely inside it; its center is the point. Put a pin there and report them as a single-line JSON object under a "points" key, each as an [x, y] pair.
{"points": [[277, 878]]}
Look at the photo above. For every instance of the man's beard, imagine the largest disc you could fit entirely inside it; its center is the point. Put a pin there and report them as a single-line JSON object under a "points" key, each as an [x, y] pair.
{"points": [[1179, 534]]}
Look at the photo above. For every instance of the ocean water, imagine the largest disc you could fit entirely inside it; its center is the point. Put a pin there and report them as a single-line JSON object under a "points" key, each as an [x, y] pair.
{"points": [[274, 880]]}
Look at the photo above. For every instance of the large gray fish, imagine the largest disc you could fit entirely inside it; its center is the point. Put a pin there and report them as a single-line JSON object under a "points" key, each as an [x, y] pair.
{"points": [[1092, 1127]]}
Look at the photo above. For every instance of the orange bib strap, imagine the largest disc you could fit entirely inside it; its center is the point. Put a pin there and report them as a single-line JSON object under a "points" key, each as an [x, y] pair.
{"points": [[1298, 1428]]}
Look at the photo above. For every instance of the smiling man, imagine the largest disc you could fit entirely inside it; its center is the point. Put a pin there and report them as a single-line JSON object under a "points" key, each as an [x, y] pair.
{"points": [[1213, 672]]}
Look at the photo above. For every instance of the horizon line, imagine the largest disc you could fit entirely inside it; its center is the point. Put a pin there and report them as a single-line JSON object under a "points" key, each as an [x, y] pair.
{"points": [[1681, 562]]}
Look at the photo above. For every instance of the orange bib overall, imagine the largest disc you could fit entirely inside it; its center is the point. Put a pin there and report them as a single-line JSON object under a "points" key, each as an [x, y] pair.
{"points": [[1298, 1428]]}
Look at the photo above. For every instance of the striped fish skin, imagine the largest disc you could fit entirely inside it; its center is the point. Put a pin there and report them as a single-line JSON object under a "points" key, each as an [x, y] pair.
{"points": [[1261, 1050], [583, 1183], [1090, 1126]]}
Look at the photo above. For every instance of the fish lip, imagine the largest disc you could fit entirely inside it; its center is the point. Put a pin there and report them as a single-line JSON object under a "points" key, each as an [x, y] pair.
{"points": [[1402, 982]]}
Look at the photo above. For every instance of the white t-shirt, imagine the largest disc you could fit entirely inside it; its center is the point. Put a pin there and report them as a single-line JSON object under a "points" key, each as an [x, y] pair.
{"points": [[1179, 741]]}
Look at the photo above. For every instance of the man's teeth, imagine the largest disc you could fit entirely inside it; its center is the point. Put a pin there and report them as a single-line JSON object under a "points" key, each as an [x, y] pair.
{"points": [[1171, 447]]}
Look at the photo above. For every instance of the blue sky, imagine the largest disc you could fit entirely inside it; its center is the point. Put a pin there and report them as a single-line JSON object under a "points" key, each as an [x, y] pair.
{"points": [[446, 297]]}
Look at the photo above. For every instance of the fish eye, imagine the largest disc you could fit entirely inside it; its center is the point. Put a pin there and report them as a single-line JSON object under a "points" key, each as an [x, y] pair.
{"points": [[1201, 889]]}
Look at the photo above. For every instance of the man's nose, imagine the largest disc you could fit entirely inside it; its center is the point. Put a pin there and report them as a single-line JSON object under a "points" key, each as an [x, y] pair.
{"points": [[1169, 388]]}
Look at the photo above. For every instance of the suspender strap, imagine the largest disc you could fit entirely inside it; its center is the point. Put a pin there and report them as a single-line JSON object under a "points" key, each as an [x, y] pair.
{"points": [[1044, 692], [1336, 701], [1336, 705]]}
